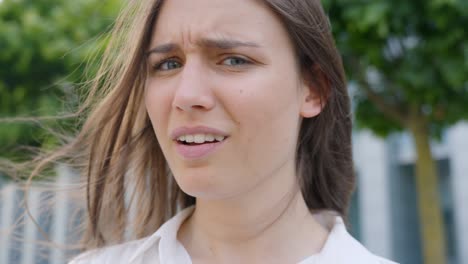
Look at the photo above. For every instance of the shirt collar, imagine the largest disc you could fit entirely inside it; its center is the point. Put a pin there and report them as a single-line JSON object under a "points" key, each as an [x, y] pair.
{"points": [[340, 247], [167, 237]]}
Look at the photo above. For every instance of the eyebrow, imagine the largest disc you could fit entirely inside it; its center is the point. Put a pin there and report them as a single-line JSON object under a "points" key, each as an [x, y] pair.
{"points": [[223, 44]]}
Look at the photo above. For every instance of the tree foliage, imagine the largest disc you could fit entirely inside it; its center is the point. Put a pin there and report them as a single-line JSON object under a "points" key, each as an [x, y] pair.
{"points": [[409, 63], [407, 57], [44, 49]]}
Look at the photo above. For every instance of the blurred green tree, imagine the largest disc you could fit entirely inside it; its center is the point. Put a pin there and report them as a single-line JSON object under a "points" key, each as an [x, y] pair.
{"points": [[409, 63], [44, 49]]}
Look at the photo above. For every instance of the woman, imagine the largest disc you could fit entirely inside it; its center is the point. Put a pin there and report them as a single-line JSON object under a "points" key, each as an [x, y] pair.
{"points": [[236, 114]]}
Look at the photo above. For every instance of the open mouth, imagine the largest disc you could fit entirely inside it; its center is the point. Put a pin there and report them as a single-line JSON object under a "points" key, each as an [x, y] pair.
{"points": [[199, 139], [193, 144], [193, 147]]}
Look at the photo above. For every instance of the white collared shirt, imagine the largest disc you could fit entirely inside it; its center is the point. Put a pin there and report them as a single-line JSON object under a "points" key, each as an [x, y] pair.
{"points": [[163, 248]]}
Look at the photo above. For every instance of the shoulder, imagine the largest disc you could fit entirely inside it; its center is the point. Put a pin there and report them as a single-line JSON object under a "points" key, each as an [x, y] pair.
{"points": [[381, 260], [156, 248], [121, 253], [341, 247], [353, 251]]}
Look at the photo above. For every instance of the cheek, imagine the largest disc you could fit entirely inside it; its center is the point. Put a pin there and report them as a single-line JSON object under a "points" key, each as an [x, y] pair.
{"points": [[267, 103], [266, 111], [157, 104], [272, 127]]}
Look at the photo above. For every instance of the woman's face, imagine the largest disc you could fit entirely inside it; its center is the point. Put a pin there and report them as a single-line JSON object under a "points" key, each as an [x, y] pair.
{"points": [[224, 95]]}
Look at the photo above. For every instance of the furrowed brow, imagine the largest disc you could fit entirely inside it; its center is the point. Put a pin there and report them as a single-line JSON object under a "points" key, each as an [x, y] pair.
{"points": [[225, 43], [163, 48]]}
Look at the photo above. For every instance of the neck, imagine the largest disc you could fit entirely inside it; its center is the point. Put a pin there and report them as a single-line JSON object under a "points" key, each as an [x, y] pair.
{"points": [[271, 218]]}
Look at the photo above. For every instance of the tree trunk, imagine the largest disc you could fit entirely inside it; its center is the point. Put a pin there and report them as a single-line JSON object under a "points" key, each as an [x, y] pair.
{"points": [[430, 213]]}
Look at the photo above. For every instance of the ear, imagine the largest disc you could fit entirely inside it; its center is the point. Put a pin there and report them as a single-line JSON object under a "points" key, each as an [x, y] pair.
{"points": [[314, 91]]}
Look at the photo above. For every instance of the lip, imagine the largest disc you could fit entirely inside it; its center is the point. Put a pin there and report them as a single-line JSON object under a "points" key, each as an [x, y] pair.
{"points": [[196, 152], [180, 131]]}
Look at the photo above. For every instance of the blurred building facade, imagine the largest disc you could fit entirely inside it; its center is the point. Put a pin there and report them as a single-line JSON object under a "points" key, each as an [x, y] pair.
{"points": [[21, 241], [384, 214]]}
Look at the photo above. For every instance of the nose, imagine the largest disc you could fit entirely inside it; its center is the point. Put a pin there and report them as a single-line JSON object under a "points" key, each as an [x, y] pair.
{"points": [[193, 91]]}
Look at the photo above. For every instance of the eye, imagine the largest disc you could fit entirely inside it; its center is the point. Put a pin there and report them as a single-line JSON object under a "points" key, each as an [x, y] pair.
{"points": [[167, 65], [235, 61]]}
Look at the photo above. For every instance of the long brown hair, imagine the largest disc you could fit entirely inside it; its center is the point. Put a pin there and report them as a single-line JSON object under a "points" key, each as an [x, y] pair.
{"points": [[129, 187]]}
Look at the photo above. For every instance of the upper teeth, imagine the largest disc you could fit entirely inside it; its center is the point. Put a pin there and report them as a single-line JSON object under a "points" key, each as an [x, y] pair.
{"points": [[200, 138]]}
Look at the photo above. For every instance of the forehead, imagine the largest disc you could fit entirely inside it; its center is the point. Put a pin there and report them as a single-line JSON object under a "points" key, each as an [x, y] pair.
{"points": [[189, 21]]}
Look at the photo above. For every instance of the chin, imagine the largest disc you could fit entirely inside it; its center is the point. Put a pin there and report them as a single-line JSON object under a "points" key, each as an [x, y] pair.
{"points": [[199, 184], [208, 192]]}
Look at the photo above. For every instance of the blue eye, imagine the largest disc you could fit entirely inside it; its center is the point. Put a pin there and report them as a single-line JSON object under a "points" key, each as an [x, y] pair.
{"points": [[235, 61], [167, 65]]}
